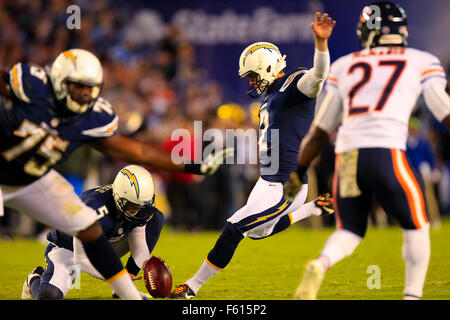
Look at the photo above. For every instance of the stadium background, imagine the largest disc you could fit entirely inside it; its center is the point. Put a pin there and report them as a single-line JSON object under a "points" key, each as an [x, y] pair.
{"points": [[168, 63]]}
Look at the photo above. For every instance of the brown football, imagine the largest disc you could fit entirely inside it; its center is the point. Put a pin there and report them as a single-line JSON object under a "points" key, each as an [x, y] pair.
{"points": [[157, 277]]}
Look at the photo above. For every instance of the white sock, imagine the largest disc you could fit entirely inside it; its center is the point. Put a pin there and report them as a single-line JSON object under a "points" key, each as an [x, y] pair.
{"points": [[123, 286], [305, 211], [416, 254], [339, 245], [203, 274]]}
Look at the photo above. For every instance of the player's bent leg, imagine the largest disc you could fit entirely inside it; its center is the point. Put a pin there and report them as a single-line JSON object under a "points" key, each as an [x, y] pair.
{"points": [[106, 260], [225, 246], [322, 205], [49, 292], [311, 280], [217, 259], [339, 245], [402, 197], [416, 254]]}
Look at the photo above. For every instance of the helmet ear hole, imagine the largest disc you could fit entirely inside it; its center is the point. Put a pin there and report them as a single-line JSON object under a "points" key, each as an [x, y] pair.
{"points": [[269, 68]]}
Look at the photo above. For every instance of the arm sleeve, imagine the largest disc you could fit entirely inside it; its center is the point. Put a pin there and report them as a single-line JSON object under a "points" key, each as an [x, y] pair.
{"points": [[436, 97], [312, 81], [330, 111], [142, 240], [138, 247]]}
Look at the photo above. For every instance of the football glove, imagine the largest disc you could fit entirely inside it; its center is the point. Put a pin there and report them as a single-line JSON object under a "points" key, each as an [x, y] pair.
{"points": [[292, 187], [211, 163], [295, 183]]}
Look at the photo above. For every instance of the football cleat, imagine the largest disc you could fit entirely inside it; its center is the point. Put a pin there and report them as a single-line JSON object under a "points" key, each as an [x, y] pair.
{"points": [[26, 289], [325, 203], [145, 296], [310, 284], [182, 292]]}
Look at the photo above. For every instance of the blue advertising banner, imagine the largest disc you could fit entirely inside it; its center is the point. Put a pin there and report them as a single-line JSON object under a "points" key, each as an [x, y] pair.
{"points": [[220, 30]]}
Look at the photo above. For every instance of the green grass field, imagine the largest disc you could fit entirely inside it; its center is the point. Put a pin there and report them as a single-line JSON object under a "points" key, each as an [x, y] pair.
{"points": [[268, 269]]}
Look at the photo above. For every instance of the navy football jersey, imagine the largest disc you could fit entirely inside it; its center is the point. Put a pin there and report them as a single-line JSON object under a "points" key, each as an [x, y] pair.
{"points": [[37, 132], [101, 199], [285, 117]]}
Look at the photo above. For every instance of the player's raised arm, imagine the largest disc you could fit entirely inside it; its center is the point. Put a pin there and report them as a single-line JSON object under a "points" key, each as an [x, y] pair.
{"points": [[143, 153], [311, 83]]}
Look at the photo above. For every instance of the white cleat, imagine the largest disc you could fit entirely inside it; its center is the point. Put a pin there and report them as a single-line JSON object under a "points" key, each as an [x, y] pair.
{"points": [[310, 284], [145, 296], [26, 290]]}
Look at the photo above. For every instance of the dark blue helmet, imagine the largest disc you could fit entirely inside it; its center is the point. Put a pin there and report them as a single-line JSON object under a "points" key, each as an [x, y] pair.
{"points": [[383, 23]]}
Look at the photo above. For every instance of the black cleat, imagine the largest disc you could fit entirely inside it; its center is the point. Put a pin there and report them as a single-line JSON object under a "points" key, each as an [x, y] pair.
{"points": [[325, 203], [182, 292]]}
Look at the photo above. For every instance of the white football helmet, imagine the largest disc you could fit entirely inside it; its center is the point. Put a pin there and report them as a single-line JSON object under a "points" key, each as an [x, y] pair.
{"points": [[79, 66], [133, 190], [264, 59]]}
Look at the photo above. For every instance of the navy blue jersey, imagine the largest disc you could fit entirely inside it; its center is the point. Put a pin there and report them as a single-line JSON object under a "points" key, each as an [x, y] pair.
{"points": [[115, 228], [37, 132], [285, 117]]}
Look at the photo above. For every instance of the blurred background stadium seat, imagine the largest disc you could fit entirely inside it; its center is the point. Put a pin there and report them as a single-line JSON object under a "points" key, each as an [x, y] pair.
{"points": [[168, 63]]}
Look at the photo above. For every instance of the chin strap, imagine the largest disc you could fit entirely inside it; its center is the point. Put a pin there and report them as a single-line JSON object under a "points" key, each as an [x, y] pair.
{"points": [[75, 106]]}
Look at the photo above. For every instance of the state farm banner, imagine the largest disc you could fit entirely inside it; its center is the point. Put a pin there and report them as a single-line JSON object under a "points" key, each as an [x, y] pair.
{"points": [[221, 29]]}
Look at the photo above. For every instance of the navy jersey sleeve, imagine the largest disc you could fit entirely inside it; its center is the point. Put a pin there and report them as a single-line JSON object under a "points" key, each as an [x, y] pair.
{"points": [[293, 96], [97, 199], [91, 198], [29, 83], [102, 121], [153, 229]]}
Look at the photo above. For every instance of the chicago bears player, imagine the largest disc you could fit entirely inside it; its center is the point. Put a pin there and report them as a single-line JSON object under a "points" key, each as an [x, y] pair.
{"points": [[43, 118], [285, 116], [129, 220], [373, 93]]}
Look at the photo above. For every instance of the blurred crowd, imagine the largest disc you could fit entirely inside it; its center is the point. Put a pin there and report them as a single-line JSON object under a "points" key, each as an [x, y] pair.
{"points": [[156, 87]]}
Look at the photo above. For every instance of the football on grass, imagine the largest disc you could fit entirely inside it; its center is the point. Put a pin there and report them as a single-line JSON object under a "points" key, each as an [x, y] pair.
{"points": [[158, 279]]}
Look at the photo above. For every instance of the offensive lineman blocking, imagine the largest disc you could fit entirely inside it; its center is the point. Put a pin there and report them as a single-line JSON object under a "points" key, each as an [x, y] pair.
{"points": [[373, 92]]}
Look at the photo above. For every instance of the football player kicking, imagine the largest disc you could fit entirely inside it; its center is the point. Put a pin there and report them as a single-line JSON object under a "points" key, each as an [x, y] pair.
{"points": [[285, 116], [43, 119], [129, 220], [373, 93]]}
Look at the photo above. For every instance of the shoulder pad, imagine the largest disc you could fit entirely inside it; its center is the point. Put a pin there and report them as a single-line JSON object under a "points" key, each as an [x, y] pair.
{"points": [[28, 82], [103, 119], [290, 79]]}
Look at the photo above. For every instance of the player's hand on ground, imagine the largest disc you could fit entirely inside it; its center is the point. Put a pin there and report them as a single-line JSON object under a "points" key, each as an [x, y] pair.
{"points": [[292, 187], [213, 161], [323, 26]]}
